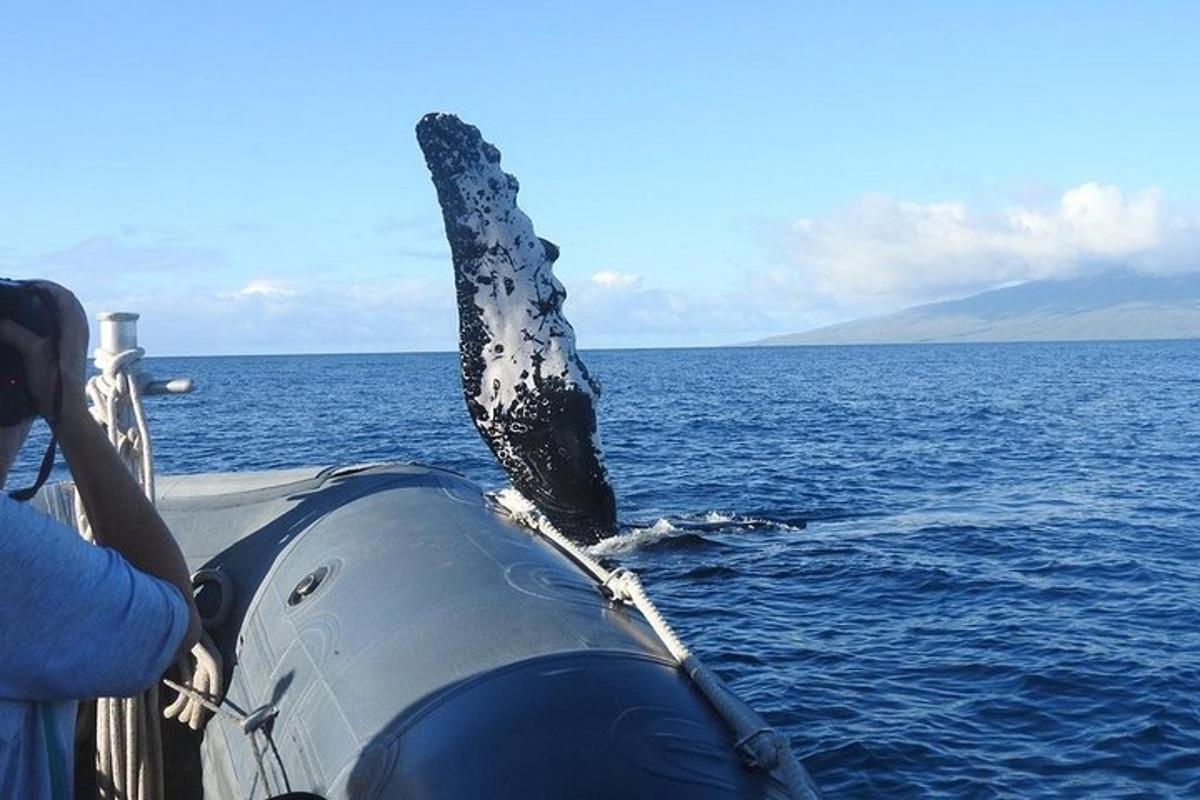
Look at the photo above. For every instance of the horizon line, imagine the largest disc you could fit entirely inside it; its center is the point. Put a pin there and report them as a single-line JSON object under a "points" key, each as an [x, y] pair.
{"points": [[738, 346]]}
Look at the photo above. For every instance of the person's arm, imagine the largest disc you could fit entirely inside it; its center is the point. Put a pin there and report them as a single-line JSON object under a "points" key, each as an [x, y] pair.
{"points": [[121, 516], [79, 621]]}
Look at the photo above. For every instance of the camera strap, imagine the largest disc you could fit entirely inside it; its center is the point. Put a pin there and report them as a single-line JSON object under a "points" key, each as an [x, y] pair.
{"points": [[21, 495]]}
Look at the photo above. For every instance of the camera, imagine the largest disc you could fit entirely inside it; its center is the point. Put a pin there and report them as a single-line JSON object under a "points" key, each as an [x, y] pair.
{"points": [[30, 307]]}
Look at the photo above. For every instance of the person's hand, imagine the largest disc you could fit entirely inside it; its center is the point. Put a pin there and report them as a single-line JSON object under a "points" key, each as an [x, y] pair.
{"points": [[37, 352]]}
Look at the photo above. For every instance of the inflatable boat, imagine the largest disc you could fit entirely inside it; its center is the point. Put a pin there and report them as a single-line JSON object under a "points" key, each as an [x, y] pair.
{"points": [[388, 631]]}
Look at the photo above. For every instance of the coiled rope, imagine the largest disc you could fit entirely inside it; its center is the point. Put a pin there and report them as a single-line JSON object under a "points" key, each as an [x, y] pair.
{"points": [[128, 735], [761, 746]]}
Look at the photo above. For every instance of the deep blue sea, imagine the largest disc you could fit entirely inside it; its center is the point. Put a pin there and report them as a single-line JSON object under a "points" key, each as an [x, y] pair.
{"points": [[944, 570]]}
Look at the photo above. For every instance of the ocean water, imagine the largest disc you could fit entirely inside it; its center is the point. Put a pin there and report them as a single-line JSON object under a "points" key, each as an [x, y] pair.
{"points": [[943, 571]]}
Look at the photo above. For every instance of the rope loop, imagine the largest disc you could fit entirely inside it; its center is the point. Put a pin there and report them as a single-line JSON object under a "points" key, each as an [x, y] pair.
{"points": [[110, 364], [760, 754], [616, 585]]}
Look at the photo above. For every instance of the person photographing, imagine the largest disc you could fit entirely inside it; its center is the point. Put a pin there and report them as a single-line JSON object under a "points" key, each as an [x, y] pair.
{"points": [[77, 621]]}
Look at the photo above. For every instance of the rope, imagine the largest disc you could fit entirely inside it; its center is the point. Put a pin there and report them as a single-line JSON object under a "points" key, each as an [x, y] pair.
{"points": [[204, 672], [761, 746], [128, 734], [249, 723]]}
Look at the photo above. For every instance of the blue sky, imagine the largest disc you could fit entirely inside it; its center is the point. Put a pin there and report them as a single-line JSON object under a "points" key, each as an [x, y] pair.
{"points": [[246, 175]]}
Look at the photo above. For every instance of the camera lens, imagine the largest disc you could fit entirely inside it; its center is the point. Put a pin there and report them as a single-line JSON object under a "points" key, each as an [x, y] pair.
{"points": [[28, 306]]}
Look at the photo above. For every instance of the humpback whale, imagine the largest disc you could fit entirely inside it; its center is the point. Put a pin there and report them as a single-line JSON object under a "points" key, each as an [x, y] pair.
{"points": [[529, 394]]}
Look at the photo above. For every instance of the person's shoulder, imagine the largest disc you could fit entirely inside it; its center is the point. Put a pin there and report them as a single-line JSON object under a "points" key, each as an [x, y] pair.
{"points": [[27, 531], [16, 516]]}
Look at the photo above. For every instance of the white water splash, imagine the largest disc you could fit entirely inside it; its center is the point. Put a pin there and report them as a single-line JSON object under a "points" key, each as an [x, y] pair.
{"points": [[717, 520], [635, 539], [706, 524]]}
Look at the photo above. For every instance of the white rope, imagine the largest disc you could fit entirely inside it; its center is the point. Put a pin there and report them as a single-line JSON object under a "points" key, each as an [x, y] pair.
{"points": [[761, 745], [128, 735], [249, 723], [204, 672]]}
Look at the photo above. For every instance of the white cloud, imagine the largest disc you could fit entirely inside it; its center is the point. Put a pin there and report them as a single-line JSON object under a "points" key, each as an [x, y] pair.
{"points": [[265, 287], [887, 251], [611, 279], [268, 315], [877, 255], [621, 310]]}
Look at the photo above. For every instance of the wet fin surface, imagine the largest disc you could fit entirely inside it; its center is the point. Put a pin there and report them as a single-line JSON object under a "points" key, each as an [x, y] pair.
{"points": [[529, 394]]}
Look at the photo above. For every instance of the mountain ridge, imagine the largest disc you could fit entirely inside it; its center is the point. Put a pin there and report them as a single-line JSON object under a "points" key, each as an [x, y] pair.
{"points": [[1112, 305]]}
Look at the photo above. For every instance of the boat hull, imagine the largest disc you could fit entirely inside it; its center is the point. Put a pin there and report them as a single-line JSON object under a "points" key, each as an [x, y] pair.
{"points": [[405, 639]]}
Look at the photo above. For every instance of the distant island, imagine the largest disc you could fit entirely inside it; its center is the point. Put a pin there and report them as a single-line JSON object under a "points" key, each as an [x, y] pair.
{"points": [[1118, 304]]}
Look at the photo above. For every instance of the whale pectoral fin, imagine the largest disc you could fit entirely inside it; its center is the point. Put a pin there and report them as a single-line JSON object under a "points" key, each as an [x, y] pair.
{"points": [[564, 475], [528, 392]]}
